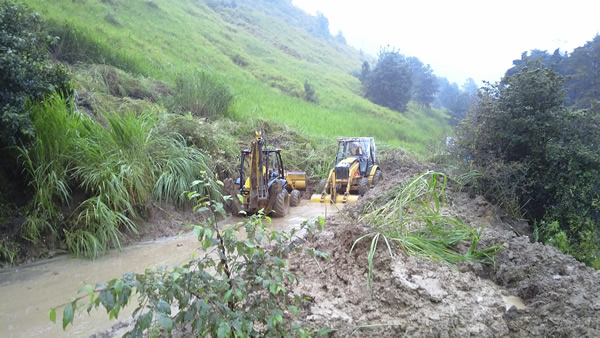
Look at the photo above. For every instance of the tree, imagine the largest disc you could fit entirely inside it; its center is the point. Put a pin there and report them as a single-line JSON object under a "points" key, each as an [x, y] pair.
{"points": [[323, 26], [584, 70], [457, 102], [425, 84], [309, 93], [470, 87], [365, 70], [25, 72], [340, 37], [389, 84]]}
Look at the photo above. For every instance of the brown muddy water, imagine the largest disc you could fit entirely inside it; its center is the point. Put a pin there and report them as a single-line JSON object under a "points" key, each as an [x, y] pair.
{"points": [[29, 292]]}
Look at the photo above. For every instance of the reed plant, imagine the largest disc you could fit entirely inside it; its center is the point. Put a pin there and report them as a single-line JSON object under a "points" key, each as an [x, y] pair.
{"points": [[118, 169]]}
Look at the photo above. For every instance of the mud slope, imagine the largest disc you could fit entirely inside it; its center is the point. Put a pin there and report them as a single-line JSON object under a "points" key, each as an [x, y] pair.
{"points": [[422, 298]]}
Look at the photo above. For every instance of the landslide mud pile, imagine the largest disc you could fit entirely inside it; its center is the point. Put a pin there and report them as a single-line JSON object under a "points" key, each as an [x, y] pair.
{"points": [[415, 297]]}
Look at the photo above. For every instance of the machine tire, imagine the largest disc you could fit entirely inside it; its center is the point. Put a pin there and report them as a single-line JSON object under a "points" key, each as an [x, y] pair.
{"points": [[321, 185], [376, 177], [363, 186], [233, 205], [294, 198], [282, 204]]}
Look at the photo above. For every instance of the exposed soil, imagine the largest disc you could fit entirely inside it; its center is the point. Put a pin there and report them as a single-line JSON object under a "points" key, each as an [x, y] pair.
{"points": [[416, 297]]}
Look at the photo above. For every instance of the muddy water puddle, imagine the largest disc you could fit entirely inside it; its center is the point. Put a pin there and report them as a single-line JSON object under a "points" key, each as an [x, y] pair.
{"points": [[510, 301], [29, 292]]}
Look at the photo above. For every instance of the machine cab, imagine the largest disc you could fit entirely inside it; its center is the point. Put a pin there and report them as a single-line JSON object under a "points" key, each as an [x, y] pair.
{"points": [[271, 166], [360, 148]]}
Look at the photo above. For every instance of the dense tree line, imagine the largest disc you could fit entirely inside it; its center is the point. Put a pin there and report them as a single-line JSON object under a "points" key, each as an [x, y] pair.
{"points": [[581, 69]]}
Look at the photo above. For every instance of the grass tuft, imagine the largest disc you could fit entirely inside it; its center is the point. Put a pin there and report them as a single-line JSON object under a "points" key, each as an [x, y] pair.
{"points": [[410, 218], [202, 94]]}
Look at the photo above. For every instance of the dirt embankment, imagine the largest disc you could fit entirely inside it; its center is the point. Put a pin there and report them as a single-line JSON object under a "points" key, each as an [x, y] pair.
{"points": [[415, 297]]}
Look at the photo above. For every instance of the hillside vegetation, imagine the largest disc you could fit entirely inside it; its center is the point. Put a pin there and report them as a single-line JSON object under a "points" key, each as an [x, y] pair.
{"points": [[264, 50]]}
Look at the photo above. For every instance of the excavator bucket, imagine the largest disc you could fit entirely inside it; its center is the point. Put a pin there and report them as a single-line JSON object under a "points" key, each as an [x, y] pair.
{"points": [[296, 179], [339, 199]]}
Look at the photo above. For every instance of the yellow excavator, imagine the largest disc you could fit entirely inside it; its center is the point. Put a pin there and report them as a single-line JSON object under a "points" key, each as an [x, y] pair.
{"points": [[354, 174], [263, 183]]}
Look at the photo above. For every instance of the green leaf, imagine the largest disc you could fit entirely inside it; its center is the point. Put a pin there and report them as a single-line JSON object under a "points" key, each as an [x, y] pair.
{"points": [[163, 307], [119, 286], [165, 322], [67, 315], [224, 330], [107, 299], [293, 310], [145, 320], [87, 288], [323, 332], [198, 232], [176, 276], [53, 316], [202, 209], [227, 296]]}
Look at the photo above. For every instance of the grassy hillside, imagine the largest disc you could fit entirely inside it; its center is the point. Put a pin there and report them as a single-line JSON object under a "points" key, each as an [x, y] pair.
{"points": [[260, 48]]}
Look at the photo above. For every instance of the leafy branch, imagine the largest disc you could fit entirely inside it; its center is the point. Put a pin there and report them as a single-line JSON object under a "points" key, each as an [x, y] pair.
{"points": [[240, 286]]}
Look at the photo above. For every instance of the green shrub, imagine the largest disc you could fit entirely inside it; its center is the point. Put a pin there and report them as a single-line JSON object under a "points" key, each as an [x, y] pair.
{"points": [[239, 287], [201, 94], [26, 73], [534, 151], [309, 93]]}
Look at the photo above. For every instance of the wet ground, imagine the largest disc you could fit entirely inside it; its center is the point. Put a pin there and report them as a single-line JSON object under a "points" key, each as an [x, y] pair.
{"points": [[532, 290]]}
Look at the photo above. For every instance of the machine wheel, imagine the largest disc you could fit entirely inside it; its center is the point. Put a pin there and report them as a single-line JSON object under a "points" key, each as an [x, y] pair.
{"points": [[321, 185], [363, 186], [294, 198], [376, 177], [234, 205], [282, 204]]}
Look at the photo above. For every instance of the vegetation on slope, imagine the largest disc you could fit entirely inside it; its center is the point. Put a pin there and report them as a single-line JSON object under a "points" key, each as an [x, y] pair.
{"points": [[263, 58]]}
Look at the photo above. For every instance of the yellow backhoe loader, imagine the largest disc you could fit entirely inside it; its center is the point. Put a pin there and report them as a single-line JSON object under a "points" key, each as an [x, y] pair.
{"points": [[263, 183], [355, 172]]}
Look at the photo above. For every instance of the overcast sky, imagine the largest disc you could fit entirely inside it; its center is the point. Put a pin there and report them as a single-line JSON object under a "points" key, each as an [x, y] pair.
{"points": [[462, 38]]}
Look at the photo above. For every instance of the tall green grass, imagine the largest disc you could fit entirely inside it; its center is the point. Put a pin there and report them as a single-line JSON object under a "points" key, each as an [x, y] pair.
{"points": [[201, 94], [45, 162], [119, 169], [410, 218], [77, 43]]}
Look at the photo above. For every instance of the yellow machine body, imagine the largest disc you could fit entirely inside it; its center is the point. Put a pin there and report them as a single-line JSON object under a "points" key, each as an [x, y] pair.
{"points": [[263, 183], [354, 173]]}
